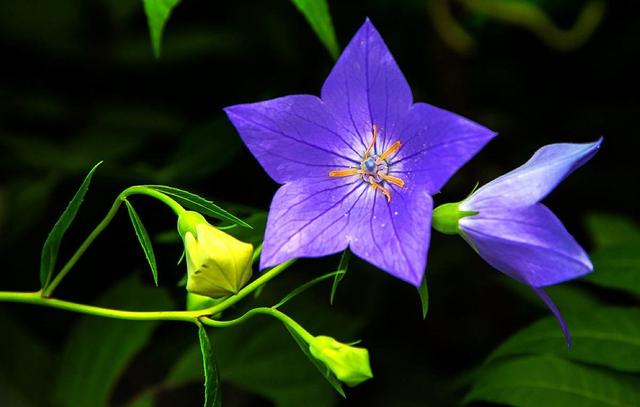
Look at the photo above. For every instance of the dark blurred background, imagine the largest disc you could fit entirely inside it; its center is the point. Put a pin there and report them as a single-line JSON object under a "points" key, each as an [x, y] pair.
{"points": [[80, 84]]}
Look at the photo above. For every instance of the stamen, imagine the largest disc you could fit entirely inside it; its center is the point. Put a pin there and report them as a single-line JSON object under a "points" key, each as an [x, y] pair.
{"points": [[394, 180], [373, 142], [345, 173], [382, 189], [394, 147]]}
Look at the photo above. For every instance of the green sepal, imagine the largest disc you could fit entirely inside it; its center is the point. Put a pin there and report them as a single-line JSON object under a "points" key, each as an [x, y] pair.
{"points": [[446, 218], [187, 222]]}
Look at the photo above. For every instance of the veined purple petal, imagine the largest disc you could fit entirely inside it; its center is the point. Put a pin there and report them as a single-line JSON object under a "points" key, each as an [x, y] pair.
{"points": [[529, 244], [293, 137], [436, 143], [531, 182], [366, 87], [556, 312], [311, 218], [336, 188], [394, 236]]}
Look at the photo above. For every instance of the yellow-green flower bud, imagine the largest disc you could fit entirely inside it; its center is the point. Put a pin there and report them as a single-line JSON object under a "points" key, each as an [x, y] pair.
{"points": [[349, 363], [218, 264]]}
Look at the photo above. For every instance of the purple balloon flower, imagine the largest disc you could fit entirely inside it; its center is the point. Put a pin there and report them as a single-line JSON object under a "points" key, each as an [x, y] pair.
{"points": [[358, 165], [508, 227]]}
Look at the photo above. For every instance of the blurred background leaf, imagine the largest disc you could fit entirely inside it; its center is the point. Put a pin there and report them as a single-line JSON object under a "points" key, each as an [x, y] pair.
{"points": [[99, 350], [617, 258], [158, 12], [550, 381], [317, 14], [606, 336]]}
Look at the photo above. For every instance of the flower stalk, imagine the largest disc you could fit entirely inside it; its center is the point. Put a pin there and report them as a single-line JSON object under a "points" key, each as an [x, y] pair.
{"points": [[36, 298], [140, 190]]}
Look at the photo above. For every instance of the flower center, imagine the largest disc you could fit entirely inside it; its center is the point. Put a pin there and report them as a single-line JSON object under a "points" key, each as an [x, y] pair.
{"points": [[374, 169]]}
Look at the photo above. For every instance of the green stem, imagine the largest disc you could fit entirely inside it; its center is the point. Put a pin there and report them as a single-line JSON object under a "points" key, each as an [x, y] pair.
{"points": [[36, 298], [284, 318], [142, 190], [48, 291], [255, 284], [256, 253]]}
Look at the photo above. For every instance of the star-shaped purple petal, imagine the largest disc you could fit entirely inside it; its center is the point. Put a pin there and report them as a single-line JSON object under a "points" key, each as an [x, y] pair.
{"points": [[358, 165]]}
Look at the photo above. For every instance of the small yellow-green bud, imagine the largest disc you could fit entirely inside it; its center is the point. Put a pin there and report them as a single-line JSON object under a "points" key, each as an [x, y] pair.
{"points": [[349, 363], [218, 264], [447, 216]]}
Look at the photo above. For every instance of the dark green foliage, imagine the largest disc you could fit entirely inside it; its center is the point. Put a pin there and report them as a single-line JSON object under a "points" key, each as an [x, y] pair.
{"points": [[158, 12], [144, 239], [423, 291], [212, 395], [81, 84], [317, 14], [552, 381], [533, 367], [343, 266], [98, 350], [199, 204], [52, 244]]}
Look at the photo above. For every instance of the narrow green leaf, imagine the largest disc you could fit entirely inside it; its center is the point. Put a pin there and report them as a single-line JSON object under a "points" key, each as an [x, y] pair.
{"points": [[551, 381], [158, 12], [328, 374], [606, 336], [199, 204], [302, 288], [277, 370], [268, 363], [423, 291], [317, 14], [342, 270], [212, 393], [98, 350], [144, 239], [617, 267], [52, 244]]}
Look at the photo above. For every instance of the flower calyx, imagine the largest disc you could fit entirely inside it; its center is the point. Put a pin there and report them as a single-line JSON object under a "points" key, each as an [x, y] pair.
{"points": [[446, 218]]}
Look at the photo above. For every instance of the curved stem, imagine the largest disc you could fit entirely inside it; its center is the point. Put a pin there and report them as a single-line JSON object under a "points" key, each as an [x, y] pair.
{"points": [[255, 284], [83, 247], [177, 208], [284, 318], [39, 298], [143, 190]]}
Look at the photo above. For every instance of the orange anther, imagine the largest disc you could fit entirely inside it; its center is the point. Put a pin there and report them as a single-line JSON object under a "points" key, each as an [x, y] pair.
{"points": [[375, 185], [373, 142], [394, 147], [394, 180], [344, 173]]}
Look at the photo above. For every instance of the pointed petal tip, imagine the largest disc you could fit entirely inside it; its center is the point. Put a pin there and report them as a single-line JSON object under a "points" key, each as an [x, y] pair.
{"points": [[556, 312]]}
